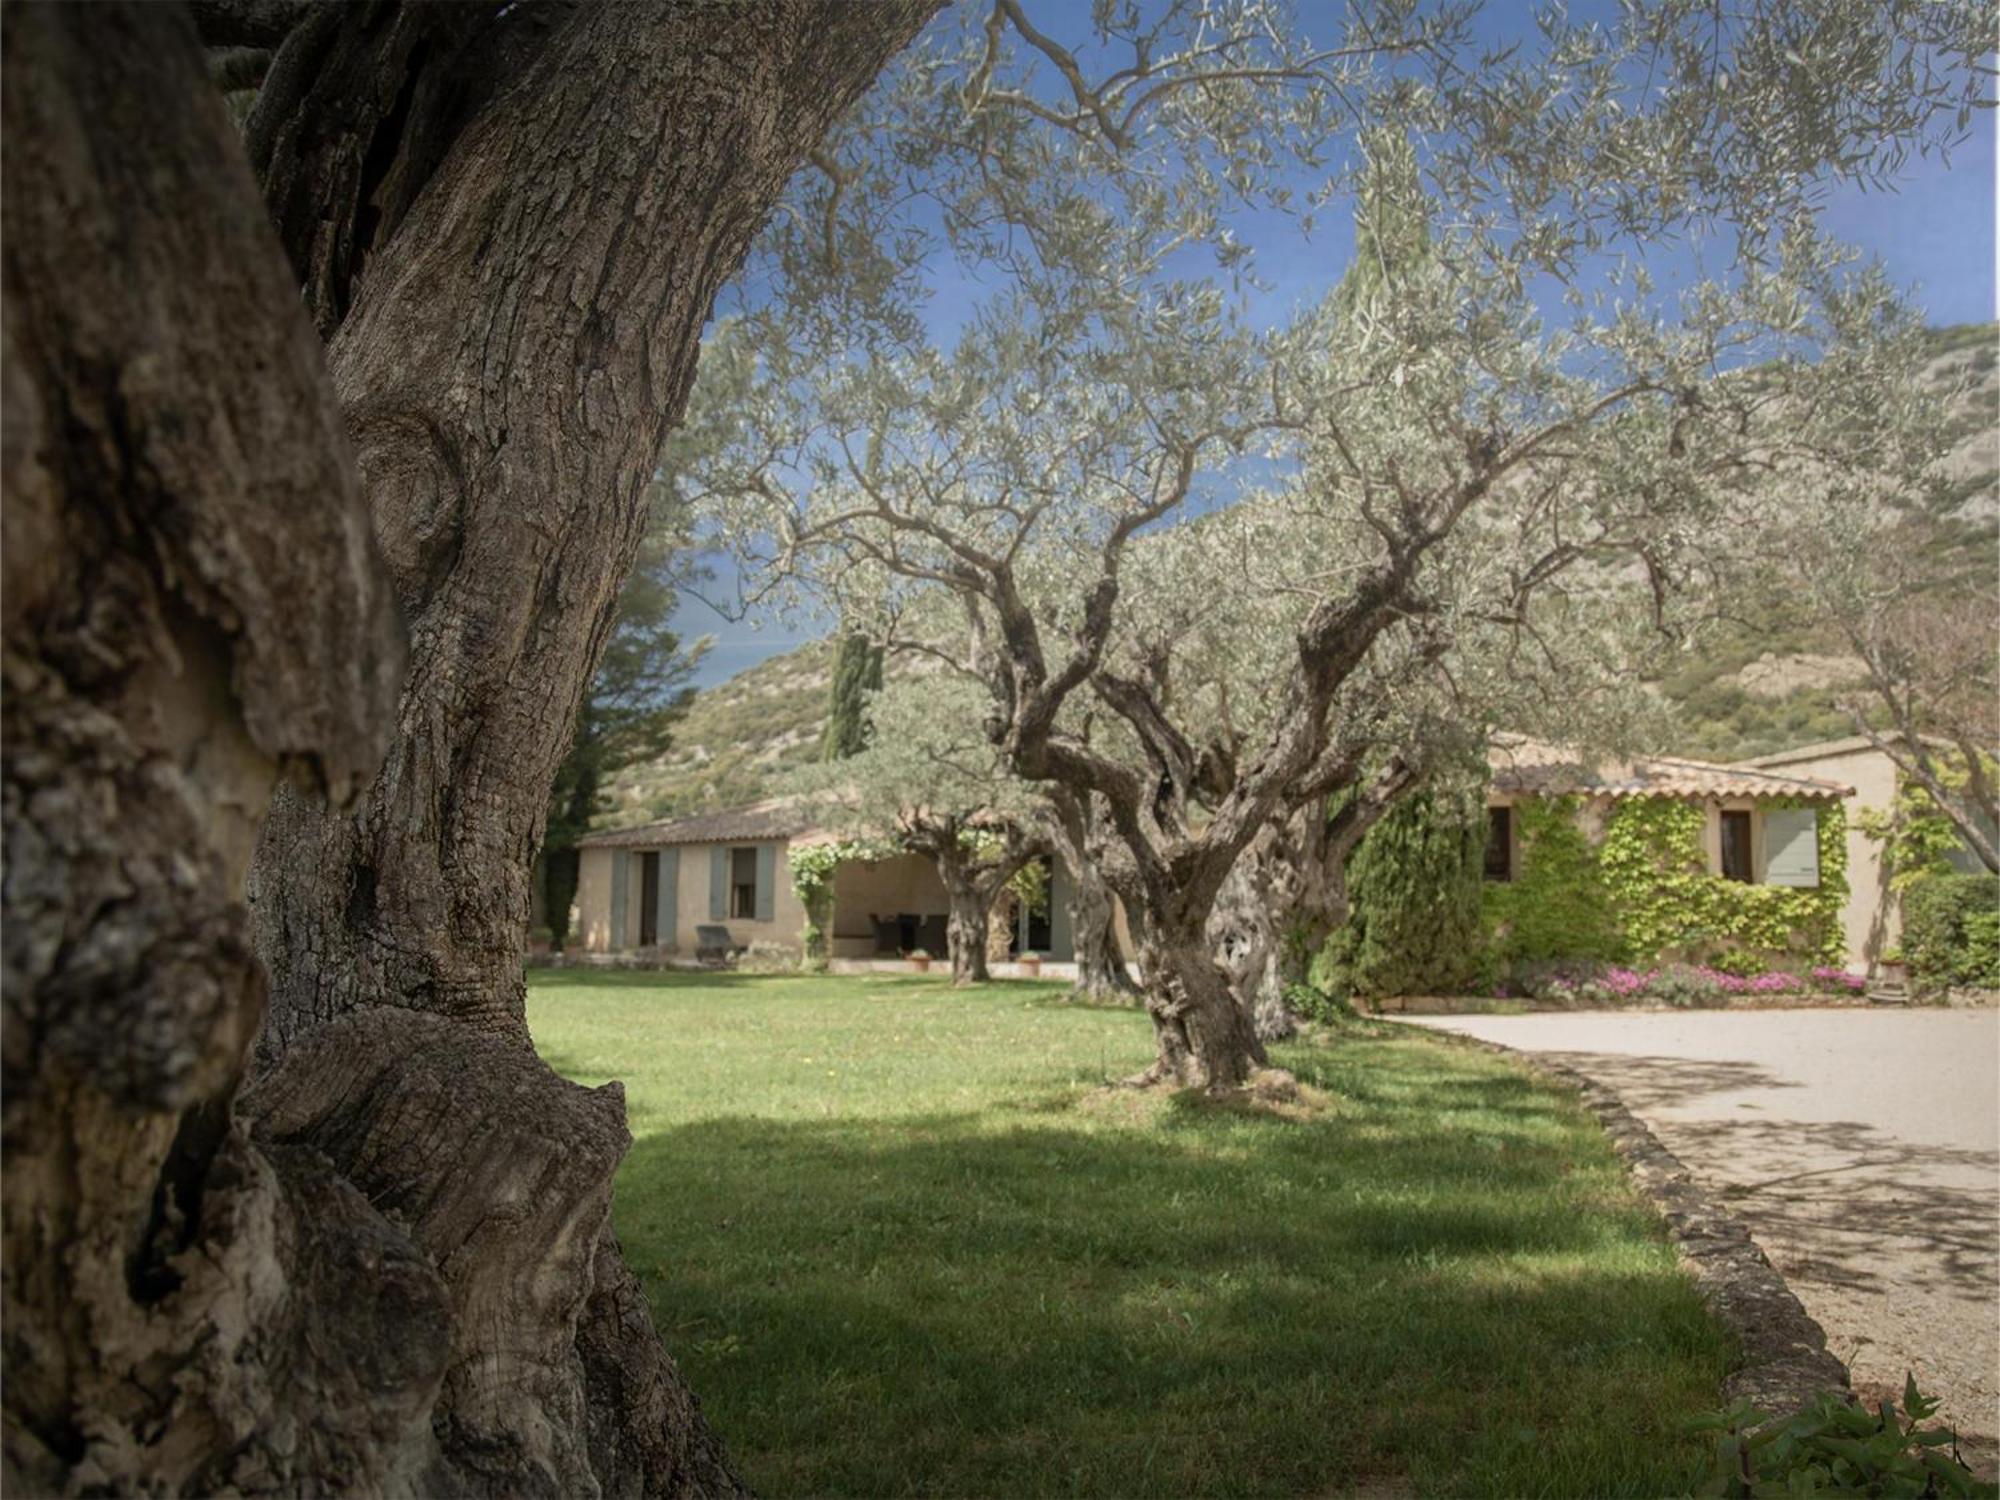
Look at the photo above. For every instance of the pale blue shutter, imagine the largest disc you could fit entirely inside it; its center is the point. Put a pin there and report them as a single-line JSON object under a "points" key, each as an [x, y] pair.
{"points": [[619, 877], [669, 898], [1791, 846], [767, 882], [718, 883]]}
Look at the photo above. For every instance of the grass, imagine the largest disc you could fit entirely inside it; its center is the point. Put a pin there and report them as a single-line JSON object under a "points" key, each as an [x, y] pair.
{"points": [[904, 1243]]}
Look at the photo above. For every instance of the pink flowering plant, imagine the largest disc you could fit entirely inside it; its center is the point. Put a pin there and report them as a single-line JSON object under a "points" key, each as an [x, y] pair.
{"points": [[1673, 984]]}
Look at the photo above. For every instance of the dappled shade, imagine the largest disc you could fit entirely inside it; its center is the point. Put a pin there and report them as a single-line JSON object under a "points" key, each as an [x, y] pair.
{"points": [[905, 1243]]}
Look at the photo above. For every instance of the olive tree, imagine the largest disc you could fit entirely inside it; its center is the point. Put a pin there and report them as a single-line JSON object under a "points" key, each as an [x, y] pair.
{"points": [[928, 780], [1407, 498], [1881, 553]]}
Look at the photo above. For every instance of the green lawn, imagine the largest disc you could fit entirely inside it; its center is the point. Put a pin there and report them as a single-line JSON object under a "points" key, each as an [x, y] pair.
{"points": [[904, 1243]]}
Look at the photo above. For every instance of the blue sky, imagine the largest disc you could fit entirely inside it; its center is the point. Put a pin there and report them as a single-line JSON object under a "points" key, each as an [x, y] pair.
{"points": [[1934, 234]]}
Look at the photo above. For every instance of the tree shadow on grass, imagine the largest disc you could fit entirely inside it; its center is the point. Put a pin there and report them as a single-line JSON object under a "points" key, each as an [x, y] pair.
{"points": [[588, 978], [973, 1304]]}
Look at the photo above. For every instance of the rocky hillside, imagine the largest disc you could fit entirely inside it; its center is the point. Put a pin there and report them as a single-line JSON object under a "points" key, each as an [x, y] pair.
{"points": [[737, 740], [1770, 682], [1759, 687]]}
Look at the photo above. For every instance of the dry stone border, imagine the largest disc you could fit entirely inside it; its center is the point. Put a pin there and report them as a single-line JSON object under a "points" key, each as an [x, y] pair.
{"points": [[1785, 1358]]}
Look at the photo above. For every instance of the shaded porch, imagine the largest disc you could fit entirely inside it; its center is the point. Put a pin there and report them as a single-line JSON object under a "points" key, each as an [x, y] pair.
{"points": [[885, 908]]}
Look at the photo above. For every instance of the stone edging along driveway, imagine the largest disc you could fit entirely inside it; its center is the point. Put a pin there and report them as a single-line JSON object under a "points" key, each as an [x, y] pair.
{"points": [[1785, 1358]]}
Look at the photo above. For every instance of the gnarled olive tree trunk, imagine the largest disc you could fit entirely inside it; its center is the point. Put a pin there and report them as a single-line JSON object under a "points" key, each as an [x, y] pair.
{"points": [[531, 212], [1101, 972], [386, 1269], [1205, 1038], [193, 608], [970, 886], [974, 866], [1287, 894]]}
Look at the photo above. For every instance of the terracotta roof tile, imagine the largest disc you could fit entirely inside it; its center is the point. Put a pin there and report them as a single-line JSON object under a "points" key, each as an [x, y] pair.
{"points": [[760, 822], [1530, 767]]}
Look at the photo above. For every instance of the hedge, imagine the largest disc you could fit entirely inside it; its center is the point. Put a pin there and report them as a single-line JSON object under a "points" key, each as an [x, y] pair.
{"points": [[1951, 931]]}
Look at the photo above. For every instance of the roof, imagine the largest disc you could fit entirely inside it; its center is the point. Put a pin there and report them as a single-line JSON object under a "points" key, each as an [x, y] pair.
{"points": [[1854, 744], [761, 822], [1533, 768]]}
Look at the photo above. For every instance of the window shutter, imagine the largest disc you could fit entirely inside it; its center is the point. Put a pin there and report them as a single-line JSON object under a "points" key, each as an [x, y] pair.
{"points": [[1791, 846], [619, 879], [767, 882], [670, 882], [718, 883]]}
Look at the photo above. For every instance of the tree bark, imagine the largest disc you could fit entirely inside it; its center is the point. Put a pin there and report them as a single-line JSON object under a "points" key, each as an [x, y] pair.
{"points": [[193, 607], [512, 359], [967, 902], [1204, 1036], [1002, 922], [1101, 972], [1250, 941], [511, 230], [390, 1270]]}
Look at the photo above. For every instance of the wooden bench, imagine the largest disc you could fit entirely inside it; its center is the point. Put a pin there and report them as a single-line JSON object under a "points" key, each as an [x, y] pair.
{"points": [[714, 945]]}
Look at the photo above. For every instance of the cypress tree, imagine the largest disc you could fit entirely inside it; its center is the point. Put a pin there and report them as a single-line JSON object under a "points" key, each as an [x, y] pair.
{"points": [[1413, 886], [857, 671]]}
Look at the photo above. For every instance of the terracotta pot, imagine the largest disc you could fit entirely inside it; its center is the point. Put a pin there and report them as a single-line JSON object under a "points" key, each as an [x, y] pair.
{"points": [[1031, 965], [921, 962]]}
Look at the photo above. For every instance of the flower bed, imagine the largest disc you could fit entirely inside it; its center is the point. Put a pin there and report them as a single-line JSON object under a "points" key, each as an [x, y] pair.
{"points": [[1674, 984]]}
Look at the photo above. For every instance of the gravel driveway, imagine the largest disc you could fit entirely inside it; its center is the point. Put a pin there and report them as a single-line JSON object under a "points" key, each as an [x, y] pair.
{"points": [[1862, 1147]]}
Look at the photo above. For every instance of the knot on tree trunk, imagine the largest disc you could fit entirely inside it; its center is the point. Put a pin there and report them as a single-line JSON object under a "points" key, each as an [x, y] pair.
{"points": [[502, 1172]]}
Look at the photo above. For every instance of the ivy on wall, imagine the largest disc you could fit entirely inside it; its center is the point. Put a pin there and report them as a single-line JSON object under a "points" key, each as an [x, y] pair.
{"points": [[1556, 906], [1656, 875], [1917, 839], [1645, 892]]}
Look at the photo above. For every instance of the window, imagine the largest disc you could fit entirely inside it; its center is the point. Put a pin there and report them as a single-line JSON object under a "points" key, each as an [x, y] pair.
{"points": [[743, 884], [1791, 846], [1736, 847], [1499, 843]]}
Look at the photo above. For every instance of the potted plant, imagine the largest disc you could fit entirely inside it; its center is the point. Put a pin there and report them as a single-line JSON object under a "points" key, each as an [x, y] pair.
{"points": [[920, 960], [1892, 968], [1031, 965]]}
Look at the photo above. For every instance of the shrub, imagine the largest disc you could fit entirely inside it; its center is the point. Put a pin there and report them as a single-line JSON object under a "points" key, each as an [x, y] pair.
{"points": [[1834, 1448], [1951, 931], [1413, 889], [1313, 1003]]}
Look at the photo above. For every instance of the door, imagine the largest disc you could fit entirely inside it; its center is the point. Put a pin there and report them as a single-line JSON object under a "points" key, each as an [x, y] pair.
{"points": [[649, 899]]}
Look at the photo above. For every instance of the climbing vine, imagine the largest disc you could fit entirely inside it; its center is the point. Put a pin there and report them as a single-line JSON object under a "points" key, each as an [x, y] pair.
{"points": [[1917, 840], [812, 867], [1556, 906], [1657, 878], [1645, 890]]}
